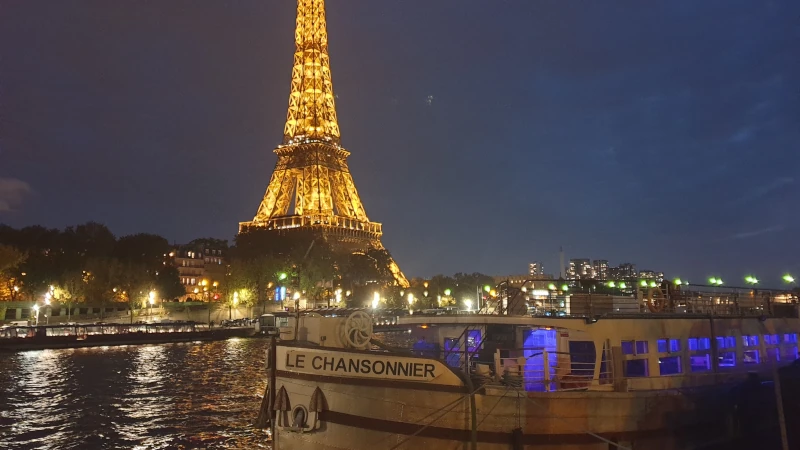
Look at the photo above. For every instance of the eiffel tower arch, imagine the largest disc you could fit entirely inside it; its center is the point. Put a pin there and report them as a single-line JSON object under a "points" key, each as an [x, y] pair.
{"points": [[311, 187]]}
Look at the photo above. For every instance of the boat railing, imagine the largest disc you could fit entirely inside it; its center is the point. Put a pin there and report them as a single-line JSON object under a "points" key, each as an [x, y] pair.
{"points": [[82, 330], [550, 371], [688, 303]]}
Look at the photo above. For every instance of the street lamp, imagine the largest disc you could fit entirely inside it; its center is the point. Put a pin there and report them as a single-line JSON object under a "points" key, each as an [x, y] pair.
{"points": [[36, 310], [447, 292], [376, 297], [235, 302], [468, 304], [152, 301], [788, 278], [410, 299], [678, 282], [751, 280]]}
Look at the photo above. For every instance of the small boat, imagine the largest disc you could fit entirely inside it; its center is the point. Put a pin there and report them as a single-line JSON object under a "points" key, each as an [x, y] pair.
{"points": [[596, 377], [33, 337]]}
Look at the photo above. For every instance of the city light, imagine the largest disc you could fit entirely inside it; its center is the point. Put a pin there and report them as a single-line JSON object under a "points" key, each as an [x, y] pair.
{"points": [[643, 283], [788, 278], [446, 292], [678, 282], [551, 286], [564, 287], [235, 298], [611, 284], [622, 285], [410, 299], [282, 276], [715, 281], [653, 284], [376, 298], [751, 279], [487, 288], [468, 304], [152, 297]]}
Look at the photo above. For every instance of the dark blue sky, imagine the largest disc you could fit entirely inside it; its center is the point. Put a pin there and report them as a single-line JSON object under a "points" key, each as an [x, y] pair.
{"points": [[664, 133]]}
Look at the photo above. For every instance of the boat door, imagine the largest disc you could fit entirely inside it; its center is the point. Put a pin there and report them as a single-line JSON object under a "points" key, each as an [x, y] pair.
{"points": [[539, 345]]}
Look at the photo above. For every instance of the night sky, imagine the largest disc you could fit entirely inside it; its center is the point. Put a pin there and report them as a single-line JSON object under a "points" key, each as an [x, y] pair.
{"points": [[484, 134]]}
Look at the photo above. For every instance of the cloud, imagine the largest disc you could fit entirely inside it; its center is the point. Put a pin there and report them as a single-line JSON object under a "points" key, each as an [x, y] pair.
{"points": [[12, 191], [764, 190], [750, 234]]}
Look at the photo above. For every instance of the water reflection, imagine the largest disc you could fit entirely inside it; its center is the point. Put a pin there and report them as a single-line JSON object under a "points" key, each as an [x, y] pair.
{"points": [[200, 395]]}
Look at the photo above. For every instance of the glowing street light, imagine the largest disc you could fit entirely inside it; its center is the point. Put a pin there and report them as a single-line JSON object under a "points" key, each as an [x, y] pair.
{"points": [[468, 304], [487, 288], [36, 310], [282, 276], [622, 285], [750, 279], [643, 283], [410, 299], [715, 281], [611, 284], [551, 287], [678, 282], [788, 278], [376, 298], [653, 284], [152, 300], [446, 292], [564, 287]]}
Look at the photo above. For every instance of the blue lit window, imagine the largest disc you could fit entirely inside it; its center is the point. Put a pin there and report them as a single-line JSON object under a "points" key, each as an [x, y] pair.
{"points": [[790, 338], [700, 363], [771, 339], [750, 357], [641, 347], [627, 347], [726, 342], [750, 341], [669, 345], [727, 359], [692, 344], [669, 365], [704, 343]]}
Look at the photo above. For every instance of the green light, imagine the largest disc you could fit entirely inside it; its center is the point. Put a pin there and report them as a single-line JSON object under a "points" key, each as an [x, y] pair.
{"points": [[712, 280], [622, 285], [678, 281], [487, 288], [611, 284], [565, 288], [282, 276], [788, 278], [652, 284], [643, 283], [551, 286], [446, 292], [751, 279]]}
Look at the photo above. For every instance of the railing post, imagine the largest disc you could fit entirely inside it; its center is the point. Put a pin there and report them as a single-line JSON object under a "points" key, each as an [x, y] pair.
{"points": [[546, 362]]}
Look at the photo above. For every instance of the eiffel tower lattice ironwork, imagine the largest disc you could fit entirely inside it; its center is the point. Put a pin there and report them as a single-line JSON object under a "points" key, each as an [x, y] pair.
{"points": [[311, 186]]}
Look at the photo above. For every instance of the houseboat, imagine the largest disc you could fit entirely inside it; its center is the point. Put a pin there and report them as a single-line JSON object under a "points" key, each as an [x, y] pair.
{"points": [[604, 373], [39, 337]]}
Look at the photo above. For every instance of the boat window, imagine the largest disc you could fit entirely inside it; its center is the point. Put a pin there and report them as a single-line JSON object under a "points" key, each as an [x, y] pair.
{"points": [[634, 347], [790, 338], [699, 344], [627, 347], [773, 354], [726, 342], [669, 345], [750, 341], [60, 331], [582, 356], [700, 363], [727, 359], [771, 339], [636, 368], [750, 357], [789, 353], [669, 365]]}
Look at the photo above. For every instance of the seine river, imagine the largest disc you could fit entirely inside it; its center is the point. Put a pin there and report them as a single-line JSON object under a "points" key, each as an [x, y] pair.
{"points": [[170, 396]]}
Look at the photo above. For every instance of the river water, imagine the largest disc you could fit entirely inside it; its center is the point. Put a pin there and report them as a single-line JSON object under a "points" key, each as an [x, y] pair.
{"points": [[168, 396]]}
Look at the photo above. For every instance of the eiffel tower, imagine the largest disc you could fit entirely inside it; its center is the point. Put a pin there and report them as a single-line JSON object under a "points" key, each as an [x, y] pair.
{"points": [[311, 187]]}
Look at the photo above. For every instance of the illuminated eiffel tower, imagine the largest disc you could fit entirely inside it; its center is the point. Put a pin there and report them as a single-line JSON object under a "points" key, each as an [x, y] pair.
{"points": [[311, 187]]}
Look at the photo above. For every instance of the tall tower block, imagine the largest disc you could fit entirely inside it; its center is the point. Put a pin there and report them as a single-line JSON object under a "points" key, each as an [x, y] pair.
{"points": [[311, 186]]}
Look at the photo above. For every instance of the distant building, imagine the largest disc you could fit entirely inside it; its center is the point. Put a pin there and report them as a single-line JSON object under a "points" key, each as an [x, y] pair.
{"points": [[651, 275], [580, 269], [624, 271], [600, 267], [536, 268], [201, 265]]}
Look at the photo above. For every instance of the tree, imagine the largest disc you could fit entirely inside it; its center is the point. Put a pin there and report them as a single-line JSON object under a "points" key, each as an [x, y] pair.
{"points": [[134, 283], [10, 257], [168, 283], [71, 289], [149, 250]]}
